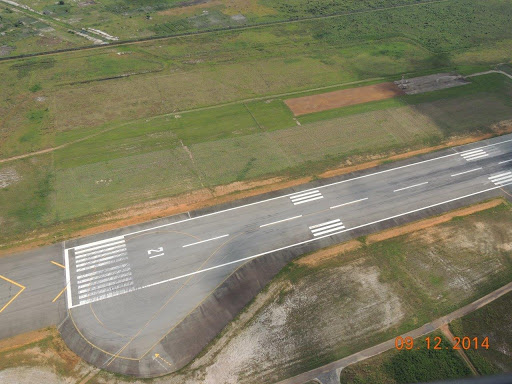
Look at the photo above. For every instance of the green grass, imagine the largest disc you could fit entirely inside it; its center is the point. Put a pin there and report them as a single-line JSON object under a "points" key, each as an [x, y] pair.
{"points": [[203, 70], [492, 321], [29, 203], [109, 98], [170, 155], [408, 366], [272, 114]]}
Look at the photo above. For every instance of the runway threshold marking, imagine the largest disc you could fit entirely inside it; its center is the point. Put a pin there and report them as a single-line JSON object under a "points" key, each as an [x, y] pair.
{"points": [[463, 173], [57, 264], [113, 357], [350, 202], [16, 295], [281, 221], [411, 186], [204, 241]]}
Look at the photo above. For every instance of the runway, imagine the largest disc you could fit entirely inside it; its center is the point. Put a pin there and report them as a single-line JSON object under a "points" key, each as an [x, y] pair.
{"points": [[125, 293]]}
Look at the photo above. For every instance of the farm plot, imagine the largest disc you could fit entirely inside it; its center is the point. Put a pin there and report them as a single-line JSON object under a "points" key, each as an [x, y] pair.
{"points": [[355, 135], [343, 98]]}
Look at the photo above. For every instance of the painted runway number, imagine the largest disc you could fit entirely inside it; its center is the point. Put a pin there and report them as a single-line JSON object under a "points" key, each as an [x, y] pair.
{"points": [[159, 252]]}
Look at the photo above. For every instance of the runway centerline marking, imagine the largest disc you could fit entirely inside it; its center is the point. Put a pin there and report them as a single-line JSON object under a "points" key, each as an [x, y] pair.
{"points": [[411, 186], [317, 238], [350, 202], [312, 189], [204, 241], [504, 162], [281, 221], [16, 295], [463, 173]]}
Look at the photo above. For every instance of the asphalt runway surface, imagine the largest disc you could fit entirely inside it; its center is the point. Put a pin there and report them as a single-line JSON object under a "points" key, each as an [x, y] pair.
{"points": [[125, 293]]}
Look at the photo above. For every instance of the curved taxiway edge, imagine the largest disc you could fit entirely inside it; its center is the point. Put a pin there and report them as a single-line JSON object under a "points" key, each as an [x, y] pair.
{"points": [[181, 345]]}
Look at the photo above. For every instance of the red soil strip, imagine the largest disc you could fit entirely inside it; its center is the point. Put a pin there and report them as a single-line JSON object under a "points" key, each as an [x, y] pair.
{"points": [[337, 99]]}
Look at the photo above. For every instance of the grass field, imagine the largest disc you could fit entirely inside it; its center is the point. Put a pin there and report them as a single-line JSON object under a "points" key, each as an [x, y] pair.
{"points": [[413, 366], [206, 110], [176, 154], [491, 321], [132, 19]]}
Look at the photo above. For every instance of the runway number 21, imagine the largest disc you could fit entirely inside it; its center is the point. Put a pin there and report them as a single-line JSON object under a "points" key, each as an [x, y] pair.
{"points": [[158, 250]]}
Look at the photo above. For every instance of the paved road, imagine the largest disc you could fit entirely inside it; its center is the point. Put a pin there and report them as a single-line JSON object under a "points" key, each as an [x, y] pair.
{"points": [[126, 292]]}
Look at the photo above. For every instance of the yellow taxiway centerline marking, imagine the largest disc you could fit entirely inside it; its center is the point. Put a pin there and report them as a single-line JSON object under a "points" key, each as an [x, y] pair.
{"points": [[16, 295], [157, 356], [60, 293], [57, 264]]}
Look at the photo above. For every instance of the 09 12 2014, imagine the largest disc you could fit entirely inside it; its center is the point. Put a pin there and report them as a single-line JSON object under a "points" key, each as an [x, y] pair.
{"points": [[434, 343]]}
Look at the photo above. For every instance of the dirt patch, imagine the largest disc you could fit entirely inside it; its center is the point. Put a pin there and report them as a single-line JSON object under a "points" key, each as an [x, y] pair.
{"points": [[343, 303], [8, 176], [23, 375], [427, 223], [323, 255], [431, 83], [23, 339], [343, 98], [5, 50]]}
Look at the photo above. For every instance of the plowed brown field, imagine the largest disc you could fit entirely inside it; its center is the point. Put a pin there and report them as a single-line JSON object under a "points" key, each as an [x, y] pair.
{"points": [[342, 98]]}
